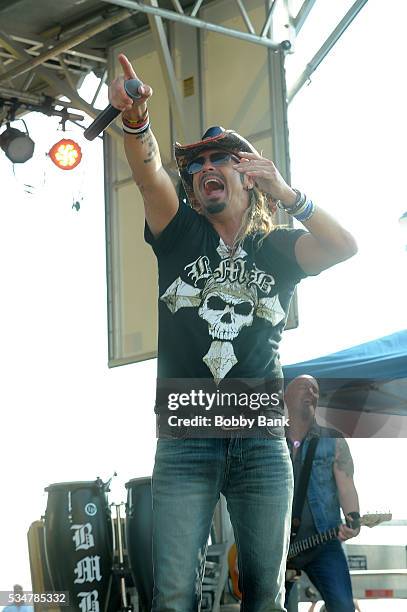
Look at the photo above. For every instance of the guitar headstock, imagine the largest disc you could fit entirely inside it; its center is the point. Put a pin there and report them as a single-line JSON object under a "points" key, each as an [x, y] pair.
{"points": [[372, 520]]}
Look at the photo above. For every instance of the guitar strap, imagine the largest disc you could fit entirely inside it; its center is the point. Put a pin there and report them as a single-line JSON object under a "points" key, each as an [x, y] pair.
{"points": [[302, 487]]}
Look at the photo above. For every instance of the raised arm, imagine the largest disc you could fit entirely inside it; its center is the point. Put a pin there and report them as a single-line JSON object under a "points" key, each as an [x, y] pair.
{"points": [[142, 152], [327, 242], [348, 497]]}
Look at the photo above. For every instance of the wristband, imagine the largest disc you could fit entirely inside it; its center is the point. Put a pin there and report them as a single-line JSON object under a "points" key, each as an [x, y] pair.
{"points": [[303, 208], [297, 206], [136, 122], [306, 212], [139, 130]]}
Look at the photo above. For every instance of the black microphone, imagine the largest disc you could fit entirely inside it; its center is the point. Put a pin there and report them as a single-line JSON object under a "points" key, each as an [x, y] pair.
{"points": [[110, 113]]}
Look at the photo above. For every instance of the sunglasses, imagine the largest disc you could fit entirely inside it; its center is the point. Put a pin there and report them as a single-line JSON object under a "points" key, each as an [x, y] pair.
{"points": [[220, 158]]}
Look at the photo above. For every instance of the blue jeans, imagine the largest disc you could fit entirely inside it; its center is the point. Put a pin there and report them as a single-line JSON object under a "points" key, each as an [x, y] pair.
{"points": [[255, 475], [329, 572]]}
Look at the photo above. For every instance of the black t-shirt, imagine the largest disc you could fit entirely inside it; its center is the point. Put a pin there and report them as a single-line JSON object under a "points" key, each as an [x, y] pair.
{"points": [[219, 316]]}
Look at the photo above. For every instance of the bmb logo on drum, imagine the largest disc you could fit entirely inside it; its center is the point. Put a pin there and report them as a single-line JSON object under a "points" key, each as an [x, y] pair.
{"points": [[79, 545], [91, 509]]}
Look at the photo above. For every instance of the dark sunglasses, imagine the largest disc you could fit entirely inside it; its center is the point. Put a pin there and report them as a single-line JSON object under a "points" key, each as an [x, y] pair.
{"points": [[220, 158]]}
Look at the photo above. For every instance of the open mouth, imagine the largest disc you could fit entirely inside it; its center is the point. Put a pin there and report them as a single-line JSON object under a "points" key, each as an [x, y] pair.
{"points": [[308, 401], [213, 187]]}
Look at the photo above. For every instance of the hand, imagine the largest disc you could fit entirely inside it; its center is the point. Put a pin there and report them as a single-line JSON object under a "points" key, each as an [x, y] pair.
{"points": [[345, 532], [267, 177], [118, 96]]}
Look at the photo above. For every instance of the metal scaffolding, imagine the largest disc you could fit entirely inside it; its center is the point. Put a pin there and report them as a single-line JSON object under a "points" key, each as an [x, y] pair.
{"points": [[40, 56]]}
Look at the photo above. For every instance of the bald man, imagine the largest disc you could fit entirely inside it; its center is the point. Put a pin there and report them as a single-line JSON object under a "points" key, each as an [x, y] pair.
{"points": [[330, 489]]}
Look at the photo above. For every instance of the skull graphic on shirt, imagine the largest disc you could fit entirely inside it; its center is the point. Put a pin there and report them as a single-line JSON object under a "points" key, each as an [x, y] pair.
{"points": [[227, 308], [227, 302]]}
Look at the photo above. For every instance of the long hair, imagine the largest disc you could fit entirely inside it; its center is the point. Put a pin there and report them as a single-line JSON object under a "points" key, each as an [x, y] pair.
{"points": [[257, 219]]}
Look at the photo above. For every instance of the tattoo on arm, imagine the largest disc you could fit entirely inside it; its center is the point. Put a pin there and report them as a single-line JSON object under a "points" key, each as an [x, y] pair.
{"points": [[144, 136], [147, 140], [343, 458]]}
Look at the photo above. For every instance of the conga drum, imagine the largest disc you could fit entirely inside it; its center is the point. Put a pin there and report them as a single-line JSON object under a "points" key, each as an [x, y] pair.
{"points": [[139, 538], [78, 545]]}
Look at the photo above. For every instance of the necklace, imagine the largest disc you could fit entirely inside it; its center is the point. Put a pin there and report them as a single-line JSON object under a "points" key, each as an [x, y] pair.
{"points": [[296, 443]]}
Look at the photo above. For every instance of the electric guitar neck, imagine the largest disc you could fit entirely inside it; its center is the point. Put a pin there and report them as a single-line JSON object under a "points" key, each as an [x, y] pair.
{"points": [[367, 520]]}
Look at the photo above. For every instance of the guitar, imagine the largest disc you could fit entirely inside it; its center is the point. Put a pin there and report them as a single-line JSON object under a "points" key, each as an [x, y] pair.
{"points": [[301, 552]]}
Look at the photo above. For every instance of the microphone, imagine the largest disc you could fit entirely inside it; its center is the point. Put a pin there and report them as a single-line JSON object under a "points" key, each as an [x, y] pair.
{"points": [[110, 113]]}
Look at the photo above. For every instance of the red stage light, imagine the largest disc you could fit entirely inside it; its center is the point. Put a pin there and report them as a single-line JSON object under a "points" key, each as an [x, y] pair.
{"points": [[66, 154]]}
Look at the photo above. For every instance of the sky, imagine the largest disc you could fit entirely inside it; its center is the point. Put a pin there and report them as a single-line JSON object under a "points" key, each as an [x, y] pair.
{"points": [[65, 415]]}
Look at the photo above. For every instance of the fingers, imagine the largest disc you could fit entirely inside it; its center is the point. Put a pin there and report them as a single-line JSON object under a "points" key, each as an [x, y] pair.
{"points": [[256, 168], [145, 91], [128, 70], [250, 155], [129, 73], [252, 161], [346, 532], [117, 94]]}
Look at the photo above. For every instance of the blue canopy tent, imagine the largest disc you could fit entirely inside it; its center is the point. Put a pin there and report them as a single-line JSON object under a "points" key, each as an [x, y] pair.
{"points": [[371, 377]]}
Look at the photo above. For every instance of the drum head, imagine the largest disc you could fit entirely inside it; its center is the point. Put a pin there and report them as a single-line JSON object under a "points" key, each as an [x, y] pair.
{"points": [[134, 482], [81, 484]]}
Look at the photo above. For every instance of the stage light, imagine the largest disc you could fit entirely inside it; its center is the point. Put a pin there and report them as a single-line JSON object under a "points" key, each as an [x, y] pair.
{"points": [[66, 154], [17, 145]]}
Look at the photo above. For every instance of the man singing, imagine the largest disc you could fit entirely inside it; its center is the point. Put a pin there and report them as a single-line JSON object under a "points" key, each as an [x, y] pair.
{"points": [[226, 277]]}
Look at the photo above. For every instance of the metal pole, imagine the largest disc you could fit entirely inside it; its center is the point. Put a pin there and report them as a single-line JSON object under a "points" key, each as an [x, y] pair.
{"points": [[121, 558], [60, 86], [76, 64], [280, 147], [196, 7], [167, 67], [245, 16], [269, 17], [177, 5], [3, 70], [326, 47], [102, 80], [39, 100], [302, 15], [66, 72], [198, 23], [40, 44], [63, 46]]}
